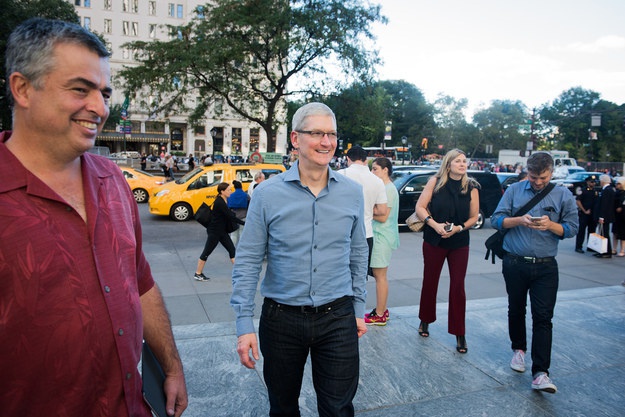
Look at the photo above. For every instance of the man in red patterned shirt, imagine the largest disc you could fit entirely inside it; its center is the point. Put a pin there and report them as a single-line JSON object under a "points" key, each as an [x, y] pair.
{"points": [[76, 293]]}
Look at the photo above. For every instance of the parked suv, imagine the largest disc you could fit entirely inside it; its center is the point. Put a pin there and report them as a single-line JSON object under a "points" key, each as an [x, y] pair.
{"points": [[180, 199], [410, 185]]}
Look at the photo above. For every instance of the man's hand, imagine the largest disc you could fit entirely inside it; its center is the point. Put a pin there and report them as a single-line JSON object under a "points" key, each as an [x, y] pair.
{"points": [[361, 326], [244, 344], [176, 394]]}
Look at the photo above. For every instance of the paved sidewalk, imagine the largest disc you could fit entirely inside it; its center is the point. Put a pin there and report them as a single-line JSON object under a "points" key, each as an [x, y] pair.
{"points": [[403, 374]]}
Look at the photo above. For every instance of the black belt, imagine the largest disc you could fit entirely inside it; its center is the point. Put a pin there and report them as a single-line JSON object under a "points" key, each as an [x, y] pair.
{"points": [[311, 309], [531, 259]]}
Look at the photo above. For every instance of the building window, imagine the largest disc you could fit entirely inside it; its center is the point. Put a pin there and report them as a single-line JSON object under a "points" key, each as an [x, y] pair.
{"points": [[152, 8], [179, 11], [172, 10], [108, 26], [200, 12], [135, 29], [87, 23], [87, 3], [134, 6], [126, 53], [125, 28], [108, 4], [77, 2], [125, 6], [254, 140], [200, 130], [152, 31]]}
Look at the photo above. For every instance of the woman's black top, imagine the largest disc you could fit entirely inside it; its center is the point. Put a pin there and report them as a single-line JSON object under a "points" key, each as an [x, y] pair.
{"points": [[449, 205], [221, 216]]}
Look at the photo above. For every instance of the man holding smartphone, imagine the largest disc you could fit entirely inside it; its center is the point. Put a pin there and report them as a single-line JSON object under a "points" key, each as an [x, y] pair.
{"points": [[530, 265]]}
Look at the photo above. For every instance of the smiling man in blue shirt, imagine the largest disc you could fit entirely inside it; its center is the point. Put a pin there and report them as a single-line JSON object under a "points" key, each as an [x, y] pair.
{"points": [[309, 221], [531, 243]]}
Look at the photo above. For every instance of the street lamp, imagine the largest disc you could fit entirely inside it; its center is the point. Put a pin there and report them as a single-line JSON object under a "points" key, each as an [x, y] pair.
{"points": [[403, 153]]}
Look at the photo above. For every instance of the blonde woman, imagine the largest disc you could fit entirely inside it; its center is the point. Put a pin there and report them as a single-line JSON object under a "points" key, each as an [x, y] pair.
{"points": [[449, 205], [385, 241]]}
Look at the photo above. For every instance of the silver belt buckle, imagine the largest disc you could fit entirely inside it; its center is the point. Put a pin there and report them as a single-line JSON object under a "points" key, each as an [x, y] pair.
{"points": [[530, 259]]}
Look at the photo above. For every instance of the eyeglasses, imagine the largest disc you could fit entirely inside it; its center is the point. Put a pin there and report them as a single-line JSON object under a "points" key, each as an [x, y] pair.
{"points": [[318, 134]]}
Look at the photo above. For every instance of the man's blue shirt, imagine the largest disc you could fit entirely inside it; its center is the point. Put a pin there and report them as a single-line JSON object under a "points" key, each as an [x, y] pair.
{"points": [[316, 247], [559, 205], [238, 199]]}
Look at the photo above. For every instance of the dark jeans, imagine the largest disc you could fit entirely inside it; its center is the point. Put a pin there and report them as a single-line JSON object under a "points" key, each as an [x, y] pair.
{"points": [[286, 339], [541, 281]]}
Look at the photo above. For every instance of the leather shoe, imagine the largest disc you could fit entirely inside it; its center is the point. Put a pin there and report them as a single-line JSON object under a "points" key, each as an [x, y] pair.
{"points": [[603, 255], [579, 250]]}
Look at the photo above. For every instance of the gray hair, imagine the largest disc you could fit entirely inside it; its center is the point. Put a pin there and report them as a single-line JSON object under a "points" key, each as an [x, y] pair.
{"points": [[605, 179], [311, 109], [539, 162], [30, 48]]}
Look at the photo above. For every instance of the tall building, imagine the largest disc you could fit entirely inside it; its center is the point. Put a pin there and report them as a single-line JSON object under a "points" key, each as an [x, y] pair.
{"points": [[224, 133]]}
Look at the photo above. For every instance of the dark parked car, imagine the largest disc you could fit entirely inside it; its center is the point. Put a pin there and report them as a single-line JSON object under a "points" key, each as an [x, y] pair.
{"points": [[410, 184], [507, 179], [577, 181]]}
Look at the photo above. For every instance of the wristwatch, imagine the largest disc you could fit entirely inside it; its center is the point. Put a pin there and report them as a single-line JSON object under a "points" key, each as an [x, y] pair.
{"points": [[461, 227]]}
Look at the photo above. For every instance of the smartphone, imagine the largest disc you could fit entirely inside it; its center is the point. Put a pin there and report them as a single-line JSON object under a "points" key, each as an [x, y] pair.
{"points": [[534, 219], [448, 227]]}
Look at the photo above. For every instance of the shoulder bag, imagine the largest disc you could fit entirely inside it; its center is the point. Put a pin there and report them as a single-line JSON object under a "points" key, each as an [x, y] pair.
{"points": [[204, 215], [494, 243]]}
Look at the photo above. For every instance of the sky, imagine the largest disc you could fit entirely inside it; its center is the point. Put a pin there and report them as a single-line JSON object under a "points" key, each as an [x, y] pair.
{"points": [[486, 50]]}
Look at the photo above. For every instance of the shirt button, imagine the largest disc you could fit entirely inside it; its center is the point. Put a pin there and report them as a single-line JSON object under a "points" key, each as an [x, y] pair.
{"points": [[121, 332], [128, 375], [315, 270], [315, 246], [107, 288]]}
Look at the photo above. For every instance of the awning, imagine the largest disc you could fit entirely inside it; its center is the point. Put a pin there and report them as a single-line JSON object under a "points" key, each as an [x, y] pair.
{"points": [[139, 137]]}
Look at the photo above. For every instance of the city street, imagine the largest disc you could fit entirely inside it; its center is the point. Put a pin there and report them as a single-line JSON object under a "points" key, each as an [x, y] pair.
{"points": [[173, 248]]}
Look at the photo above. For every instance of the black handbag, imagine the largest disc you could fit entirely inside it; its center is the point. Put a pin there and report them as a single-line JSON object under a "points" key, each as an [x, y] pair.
{"points": [[204, 215], [494, 243]]}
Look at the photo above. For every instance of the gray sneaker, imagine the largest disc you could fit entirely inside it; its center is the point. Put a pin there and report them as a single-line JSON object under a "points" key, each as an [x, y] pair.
{"points": [[518, 361], [542, 382], [200, 277]]}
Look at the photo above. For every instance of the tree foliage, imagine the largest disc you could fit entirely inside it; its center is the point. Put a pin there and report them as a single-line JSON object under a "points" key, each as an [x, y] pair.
{"points": [[15, 12], [245, 53], [499, 123]]}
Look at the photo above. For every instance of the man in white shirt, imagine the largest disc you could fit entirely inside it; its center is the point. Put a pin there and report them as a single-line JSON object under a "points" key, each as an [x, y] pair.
{"points": [[372, 188], [258, 178]]}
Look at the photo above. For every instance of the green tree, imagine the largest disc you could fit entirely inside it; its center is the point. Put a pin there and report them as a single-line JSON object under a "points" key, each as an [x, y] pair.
{"points": [[569, 116], [244, 54], [13, 13], [453, 130], [408, 111], [360, 113], [499, 125]]}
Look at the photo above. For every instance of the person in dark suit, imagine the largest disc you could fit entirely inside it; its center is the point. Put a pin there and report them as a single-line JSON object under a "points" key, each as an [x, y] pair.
{"points": [[586, 200], [605, 213]]}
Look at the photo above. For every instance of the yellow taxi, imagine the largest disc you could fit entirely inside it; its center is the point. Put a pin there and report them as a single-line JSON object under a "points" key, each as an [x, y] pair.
{"points": [[181, 198], [142, 183]]}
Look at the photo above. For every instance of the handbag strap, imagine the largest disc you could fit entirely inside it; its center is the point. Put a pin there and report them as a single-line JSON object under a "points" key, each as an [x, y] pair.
{"points": [[535, 200]]}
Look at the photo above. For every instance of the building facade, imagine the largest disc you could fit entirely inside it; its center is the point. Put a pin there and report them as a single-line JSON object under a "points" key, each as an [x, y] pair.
{"points": [[224, 133]]}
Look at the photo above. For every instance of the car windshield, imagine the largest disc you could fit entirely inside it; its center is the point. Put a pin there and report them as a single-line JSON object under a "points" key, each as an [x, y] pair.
{"points": [[186, 177]]}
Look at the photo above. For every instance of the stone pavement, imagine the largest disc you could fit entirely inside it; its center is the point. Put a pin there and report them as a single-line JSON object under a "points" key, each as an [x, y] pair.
{"points": [[403, 374]]}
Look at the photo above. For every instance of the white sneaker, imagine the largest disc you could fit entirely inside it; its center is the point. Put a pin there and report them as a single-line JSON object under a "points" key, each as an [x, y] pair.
{"points": [[518, 361], [542, 382]]}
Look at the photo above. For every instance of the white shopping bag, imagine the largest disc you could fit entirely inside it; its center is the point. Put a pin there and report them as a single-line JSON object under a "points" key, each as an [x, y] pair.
{"points": [[597, 242]]}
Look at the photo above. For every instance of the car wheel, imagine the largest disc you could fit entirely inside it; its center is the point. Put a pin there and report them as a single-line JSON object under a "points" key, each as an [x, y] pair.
{"points": [[480, 221], [180, 212], [141, 195]]}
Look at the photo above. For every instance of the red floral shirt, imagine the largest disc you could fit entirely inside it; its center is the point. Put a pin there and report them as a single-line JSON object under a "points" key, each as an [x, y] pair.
{"points": [[70, 313]]}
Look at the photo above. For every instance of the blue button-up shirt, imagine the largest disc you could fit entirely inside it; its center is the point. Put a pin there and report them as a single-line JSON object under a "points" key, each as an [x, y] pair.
{"points": [[315, 245], [559, 205]]}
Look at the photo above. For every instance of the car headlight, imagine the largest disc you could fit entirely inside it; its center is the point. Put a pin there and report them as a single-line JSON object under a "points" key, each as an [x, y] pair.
{"points": [[161, 193]]}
